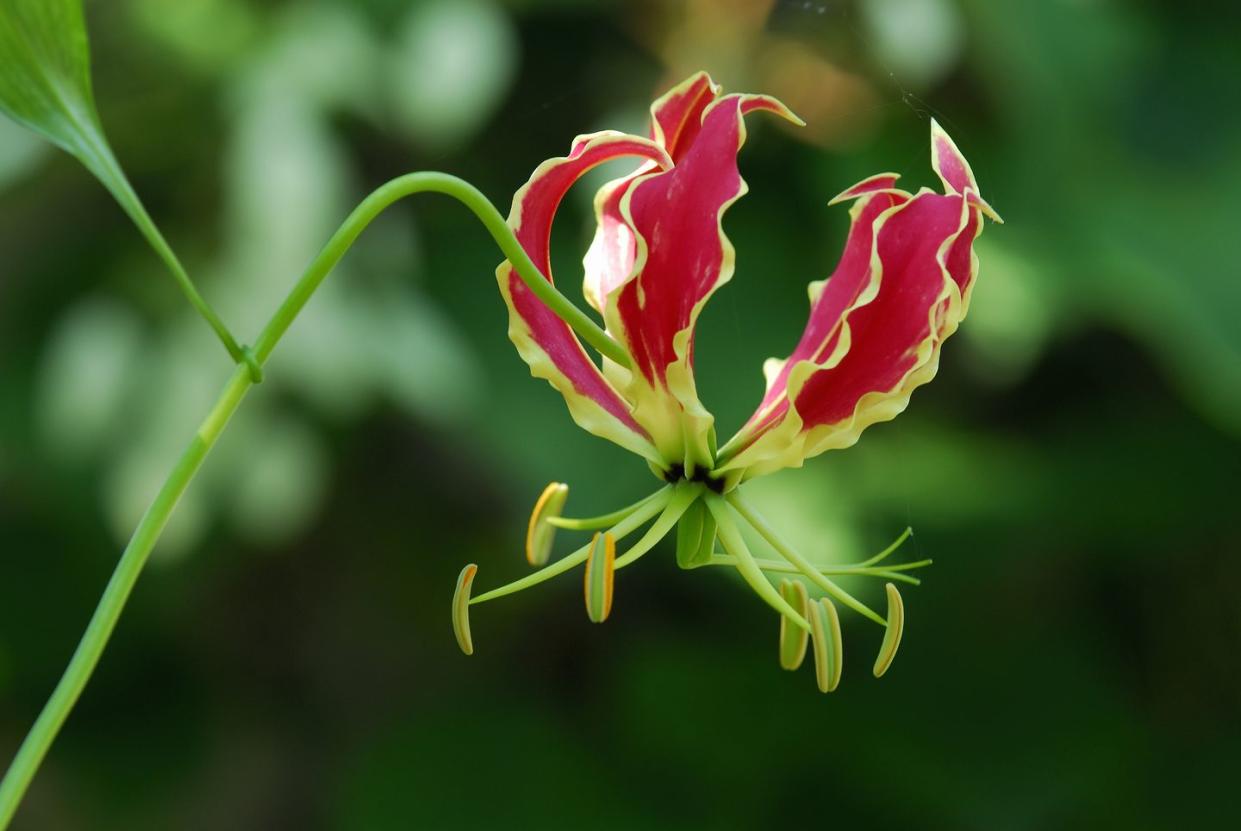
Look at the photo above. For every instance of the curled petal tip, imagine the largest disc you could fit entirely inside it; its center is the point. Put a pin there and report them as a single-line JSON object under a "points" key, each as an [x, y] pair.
{"points": [[871, 184], [981, 204], [949, 162], [750, 103], [461, 609], [541, 533], [892, 637], [600, 574], [793, 638]]}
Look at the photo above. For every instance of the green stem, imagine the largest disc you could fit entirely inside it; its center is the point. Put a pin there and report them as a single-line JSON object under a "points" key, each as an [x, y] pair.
{"points": [[472, 198], [98, 157], [103, 621], [95, 638]]}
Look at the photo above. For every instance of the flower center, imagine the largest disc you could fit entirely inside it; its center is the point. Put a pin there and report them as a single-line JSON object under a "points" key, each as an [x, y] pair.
{"points": [[700, 475]]}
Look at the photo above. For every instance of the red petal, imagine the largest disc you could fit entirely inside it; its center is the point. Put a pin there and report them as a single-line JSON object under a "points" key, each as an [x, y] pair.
{"points": [[676, 118], [677, 216], [544, 340], [874, 334], [888, 332], [677, 115], [879, 182], [838, 295]]}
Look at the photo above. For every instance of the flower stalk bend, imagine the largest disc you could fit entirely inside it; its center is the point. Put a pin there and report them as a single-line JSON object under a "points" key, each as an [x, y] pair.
{"points": [[102, 623]]}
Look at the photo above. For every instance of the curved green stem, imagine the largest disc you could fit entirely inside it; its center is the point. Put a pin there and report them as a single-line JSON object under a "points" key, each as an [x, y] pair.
{"points": [[472, 198], [134, 557]]}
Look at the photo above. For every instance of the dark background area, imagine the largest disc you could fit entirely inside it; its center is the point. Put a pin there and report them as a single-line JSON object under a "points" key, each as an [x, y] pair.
{"points": [[1071, 659]]}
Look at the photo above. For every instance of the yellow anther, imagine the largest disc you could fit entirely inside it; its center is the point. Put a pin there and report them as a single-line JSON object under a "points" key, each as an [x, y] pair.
{"points": [[600, 574], [461, 609], [793, 638], [891, 638], [540, 534], [828, 645]]}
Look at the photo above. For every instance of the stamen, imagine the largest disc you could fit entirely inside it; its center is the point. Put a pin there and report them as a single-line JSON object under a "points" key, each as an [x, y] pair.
{"points": [[683, 496], [541, 532], [782, 567], [461, 609], [891, 638], [803, 565], [621, 530], [882, 555], [596, 523], [600, 570], [828, 645], [793, 639], [735, 545]]}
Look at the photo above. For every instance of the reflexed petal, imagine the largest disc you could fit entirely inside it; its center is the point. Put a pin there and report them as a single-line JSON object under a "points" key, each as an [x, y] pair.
{"points": [[676, 117], [682, 258], [877, 183], [854, 283], [545, 341], [902, 287]]}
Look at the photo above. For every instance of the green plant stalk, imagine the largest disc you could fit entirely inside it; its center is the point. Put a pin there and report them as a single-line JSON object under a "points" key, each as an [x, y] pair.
{"points": [[96, 155], [37, 742]]}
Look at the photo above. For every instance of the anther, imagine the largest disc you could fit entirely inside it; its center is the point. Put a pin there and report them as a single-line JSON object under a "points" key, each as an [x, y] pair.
{"points": [[828, 644], [540, 534], [600, 575], [461, 609], [793, 638], [892, 637]]}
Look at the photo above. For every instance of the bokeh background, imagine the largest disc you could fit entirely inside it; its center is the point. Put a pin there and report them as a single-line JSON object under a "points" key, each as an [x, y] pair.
{"points": [[287, 661]]}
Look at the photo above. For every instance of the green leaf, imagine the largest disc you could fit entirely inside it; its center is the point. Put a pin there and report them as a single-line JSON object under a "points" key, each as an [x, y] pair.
{"points": [[45, 80], [45, 84]]}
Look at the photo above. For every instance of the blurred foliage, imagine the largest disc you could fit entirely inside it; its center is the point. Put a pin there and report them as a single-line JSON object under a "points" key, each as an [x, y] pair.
{"points": [[1071, 659]]}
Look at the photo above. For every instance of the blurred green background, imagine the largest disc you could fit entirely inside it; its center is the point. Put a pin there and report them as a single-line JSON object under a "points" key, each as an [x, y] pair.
{"points": [[287, 661]]}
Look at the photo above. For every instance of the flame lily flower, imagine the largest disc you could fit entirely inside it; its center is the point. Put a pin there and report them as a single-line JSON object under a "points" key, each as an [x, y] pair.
{"points": [[875, 328]]}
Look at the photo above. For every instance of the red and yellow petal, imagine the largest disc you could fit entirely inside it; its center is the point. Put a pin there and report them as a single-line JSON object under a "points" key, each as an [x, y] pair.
{"points": [[681, 257], [676, 118], [545, 341], [884, 340]]}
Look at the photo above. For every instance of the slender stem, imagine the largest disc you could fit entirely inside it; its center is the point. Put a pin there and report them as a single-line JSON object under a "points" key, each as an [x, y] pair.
{"points": [[35, 746], [95, 638], [98, 156], [472, 198]]}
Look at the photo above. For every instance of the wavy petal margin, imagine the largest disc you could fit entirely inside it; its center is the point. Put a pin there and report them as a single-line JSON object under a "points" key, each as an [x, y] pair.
{"points": [[676, 117], [542, 339], [682, 256], [893, 316]]}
